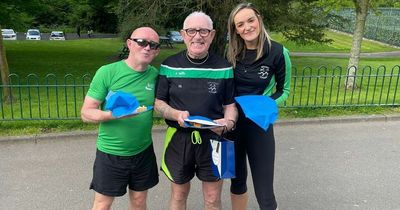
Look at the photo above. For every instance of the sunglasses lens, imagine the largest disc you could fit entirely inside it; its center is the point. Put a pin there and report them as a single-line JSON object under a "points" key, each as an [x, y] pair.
{"points": [[154, 45], [142, 43]]}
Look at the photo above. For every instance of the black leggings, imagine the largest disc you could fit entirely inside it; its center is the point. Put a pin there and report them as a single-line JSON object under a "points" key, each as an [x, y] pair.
{"points": [[259, 145]]}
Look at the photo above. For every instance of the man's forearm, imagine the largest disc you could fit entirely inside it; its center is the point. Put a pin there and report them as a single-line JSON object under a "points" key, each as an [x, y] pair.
{"points": [[164, 109], [96, 116]]}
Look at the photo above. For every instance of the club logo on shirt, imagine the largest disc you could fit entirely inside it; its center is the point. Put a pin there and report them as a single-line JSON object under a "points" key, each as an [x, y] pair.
{"points": [[264, 71], [212, 87], [180, 73], [149, 86]]}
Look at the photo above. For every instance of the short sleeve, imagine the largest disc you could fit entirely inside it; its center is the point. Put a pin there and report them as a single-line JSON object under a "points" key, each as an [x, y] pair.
{"points": [[98, 87]]}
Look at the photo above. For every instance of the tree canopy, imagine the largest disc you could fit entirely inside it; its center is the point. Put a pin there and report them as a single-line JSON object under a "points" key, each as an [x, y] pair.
{"points": [[95, 14], [298, 20]]}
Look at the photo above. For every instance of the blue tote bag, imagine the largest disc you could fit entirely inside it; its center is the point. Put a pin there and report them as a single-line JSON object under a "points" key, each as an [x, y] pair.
{"points": [[223, 158]]}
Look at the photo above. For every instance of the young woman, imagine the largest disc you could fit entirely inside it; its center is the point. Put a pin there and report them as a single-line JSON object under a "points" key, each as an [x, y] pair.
{"points": [[261, 67]]}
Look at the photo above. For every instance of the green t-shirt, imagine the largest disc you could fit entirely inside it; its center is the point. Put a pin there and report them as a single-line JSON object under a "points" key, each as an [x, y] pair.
{"points": [[128, 136]]}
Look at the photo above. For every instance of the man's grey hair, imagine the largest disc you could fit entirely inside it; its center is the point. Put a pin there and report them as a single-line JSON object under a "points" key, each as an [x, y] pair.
{"points": [[198, 14]]}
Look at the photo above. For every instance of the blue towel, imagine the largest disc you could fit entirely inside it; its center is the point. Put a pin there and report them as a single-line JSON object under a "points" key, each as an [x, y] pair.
{"points": [[260, 109], [121, 103]]}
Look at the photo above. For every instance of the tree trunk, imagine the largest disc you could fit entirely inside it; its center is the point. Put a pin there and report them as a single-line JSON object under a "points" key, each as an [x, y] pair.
{"points": [[361, 7], [4, 72], [219, 12]]}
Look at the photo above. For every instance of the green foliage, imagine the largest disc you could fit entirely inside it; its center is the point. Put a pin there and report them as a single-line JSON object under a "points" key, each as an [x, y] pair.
{"points": [[160, 15], [101, 16], [16, 13], [97, 15], [296, 19]]}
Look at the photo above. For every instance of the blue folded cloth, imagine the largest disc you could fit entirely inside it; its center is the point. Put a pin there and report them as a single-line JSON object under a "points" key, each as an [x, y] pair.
{"points": [[262, 110], [121, 103]]}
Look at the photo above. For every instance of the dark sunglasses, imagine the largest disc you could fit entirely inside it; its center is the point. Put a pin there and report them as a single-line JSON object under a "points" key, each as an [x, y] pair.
{"points": [[144, 43]]}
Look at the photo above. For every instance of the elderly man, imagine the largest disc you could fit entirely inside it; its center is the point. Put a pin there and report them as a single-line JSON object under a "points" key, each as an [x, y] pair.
{"points": [[194, 82], [125, 155]]}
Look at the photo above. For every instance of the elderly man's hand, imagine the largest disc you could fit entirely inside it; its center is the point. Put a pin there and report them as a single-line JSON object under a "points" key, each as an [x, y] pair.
{"points": [[228, 125], [180, 117]]}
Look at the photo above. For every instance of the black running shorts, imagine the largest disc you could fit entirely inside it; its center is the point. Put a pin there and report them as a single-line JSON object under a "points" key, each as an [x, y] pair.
{"points": [[188, 152], [112, 174]]}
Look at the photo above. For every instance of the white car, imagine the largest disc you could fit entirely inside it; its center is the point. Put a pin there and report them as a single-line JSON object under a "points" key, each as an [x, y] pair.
{"points": [[175, 36], [57, 35], [33, 34], [8, 34]]}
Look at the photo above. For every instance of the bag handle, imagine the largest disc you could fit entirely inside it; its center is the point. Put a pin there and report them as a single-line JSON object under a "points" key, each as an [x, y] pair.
{"points": [[224, 131]]}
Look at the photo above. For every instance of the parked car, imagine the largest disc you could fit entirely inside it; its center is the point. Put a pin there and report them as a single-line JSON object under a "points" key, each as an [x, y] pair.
{"points": [[57, 35], [8, 34], [174, 36], [33, 34]]}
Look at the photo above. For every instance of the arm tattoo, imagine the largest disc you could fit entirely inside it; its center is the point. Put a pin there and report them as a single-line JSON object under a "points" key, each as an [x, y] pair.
{"points": [[164, 111]]}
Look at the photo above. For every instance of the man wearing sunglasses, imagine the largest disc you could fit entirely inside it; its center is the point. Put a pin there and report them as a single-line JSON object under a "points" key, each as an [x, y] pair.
{"points": [[194, 82], [125, 155]]}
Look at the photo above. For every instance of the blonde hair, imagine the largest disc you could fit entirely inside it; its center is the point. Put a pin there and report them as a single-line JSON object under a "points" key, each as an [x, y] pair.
{"points": [[236, 46]]}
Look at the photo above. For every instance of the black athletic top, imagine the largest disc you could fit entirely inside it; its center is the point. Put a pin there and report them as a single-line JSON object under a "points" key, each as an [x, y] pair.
{"points": [[259, 77], [202, 88]]}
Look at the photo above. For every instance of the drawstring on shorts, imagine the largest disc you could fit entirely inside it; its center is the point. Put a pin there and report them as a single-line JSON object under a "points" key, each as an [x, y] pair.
{"points": [[196, 138]]}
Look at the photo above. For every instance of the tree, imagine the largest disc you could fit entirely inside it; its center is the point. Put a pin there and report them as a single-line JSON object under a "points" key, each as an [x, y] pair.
{"points": [[219, 13], [361, 8], [13, 14], [5, 72], [296, 19], [101, 15]]}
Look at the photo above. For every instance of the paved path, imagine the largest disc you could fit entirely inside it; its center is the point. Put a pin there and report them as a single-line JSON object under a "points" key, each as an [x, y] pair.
{"points": [[320, 164]]}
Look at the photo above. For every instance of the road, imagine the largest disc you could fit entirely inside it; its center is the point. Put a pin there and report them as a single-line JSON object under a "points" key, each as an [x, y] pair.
{"points": [[319, 166], [69, 36]]}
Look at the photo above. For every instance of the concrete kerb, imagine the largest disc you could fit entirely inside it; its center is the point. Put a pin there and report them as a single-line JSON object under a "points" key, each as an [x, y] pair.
{"points": [[160, 128]]}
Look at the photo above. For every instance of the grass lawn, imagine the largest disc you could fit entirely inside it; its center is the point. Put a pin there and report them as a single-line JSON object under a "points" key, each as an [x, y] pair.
{"points": [[80, 57], [316, 62], [341, 43]]}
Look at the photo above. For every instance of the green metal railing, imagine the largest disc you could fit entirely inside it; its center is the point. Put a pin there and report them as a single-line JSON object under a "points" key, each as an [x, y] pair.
{"points": [[48, 98], [53, 98], [325, 87]]}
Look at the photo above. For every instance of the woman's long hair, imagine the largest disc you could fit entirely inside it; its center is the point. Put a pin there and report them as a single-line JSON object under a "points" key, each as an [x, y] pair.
{"points": [[236, 45]]}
